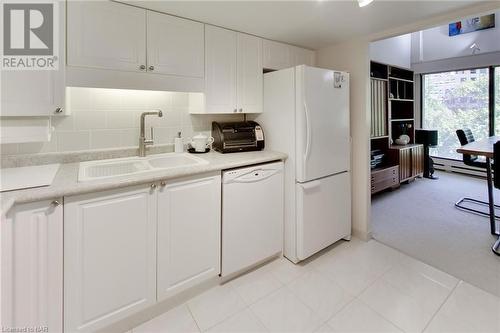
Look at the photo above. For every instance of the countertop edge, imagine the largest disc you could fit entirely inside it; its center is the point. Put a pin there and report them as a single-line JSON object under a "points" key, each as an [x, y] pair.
{"points": [[11, 198]]}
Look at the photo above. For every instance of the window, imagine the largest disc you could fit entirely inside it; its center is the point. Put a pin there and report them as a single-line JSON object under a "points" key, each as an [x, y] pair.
{"points": [[450, 101]]}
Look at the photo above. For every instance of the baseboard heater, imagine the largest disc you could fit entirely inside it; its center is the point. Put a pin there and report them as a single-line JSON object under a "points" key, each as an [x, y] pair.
{"points": [[448, 165]]}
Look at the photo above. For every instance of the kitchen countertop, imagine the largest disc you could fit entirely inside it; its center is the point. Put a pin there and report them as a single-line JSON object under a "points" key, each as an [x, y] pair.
{"points": [[66, 180]]}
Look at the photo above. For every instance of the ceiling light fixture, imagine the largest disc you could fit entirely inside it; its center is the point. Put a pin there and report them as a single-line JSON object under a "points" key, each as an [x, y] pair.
{"points": [[363, 3]]}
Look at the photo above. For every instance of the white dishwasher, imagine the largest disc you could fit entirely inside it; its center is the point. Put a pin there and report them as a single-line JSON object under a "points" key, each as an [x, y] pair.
{"points": [[252, 215]]}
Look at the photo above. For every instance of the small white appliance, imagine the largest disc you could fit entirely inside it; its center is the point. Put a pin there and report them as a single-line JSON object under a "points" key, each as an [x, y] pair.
{"points": [[252, 216], [306, 115]]}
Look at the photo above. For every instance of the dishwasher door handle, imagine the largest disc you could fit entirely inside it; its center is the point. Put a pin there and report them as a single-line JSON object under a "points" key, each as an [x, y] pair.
{"points": [[255, 176]]}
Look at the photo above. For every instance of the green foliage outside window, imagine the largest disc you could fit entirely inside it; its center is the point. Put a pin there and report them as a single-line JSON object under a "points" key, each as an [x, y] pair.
{"points": [[456, 100]]}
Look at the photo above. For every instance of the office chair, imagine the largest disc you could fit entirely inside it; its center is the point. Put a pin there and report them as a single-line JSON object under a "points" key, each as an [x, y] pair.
{"points": [[465, 136], [496, 183]]}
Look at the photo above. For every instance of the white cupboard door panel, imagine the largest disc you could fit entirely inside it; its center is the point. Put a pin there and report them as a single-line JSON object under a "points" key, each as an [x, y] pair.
{"points": [[32, 93], [250, 77], [36, 93], [188, 234], [276, 55], [32, 267], [323, 213], [302, 56], [175, 45], [220, 70], [110, 256], [105, 34]]}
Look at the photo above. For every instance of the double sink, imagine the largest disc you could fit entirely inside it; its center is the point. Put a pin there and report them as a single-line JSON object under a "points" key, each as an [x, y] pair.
{"points": [[120, 167]]}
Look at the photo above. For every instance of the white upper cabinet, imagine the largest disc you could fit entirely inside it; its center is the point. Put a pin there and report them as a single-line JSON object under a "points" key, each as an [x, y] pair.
{"points": [[115, 45], [36, 93], [279, 55], [233, 72], [220, 70], [302, 56], [250, 78], [106, 35], [109, 256], [175, 45], [276, 55], [32, 266], [188, 233]]}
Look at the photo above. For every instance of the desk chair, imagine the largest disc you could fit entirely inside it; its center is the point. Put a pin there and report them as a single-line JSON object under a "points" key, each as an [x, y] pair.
{"points": [[465, 136], [496, 183]]}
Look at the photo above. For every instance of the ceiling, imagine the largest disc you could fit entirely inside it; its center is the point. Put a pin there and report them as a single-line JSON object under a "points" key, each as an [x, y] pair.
{"points": [[312, 24]]}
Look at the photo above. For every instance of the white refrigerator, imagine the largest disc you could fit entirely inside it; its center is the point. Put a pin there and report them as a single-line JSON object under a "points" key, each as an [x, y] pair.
{"points": [[306, 115]]}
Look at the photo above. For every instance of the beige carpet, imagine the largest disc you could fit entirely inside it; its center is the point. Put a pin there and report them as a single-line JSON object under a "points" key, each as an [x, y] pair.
{"points": [[420, 220]]}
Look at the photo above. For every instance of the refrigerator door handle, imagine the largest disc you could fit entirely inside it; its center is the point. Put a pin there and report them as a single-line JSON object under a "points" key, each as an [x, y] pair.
{"points": [[308, 132], [311, 185]]}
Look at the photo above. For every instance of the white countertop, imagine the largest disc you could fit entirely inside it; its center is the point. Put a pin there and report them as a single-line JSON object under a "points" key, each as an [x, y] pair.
{"points": [[66, 180]]}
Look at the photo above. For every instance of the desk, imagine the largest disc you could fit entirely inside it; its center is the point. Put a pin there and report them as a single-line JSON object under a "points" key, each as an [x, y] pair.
{"points": [[484, 148]]}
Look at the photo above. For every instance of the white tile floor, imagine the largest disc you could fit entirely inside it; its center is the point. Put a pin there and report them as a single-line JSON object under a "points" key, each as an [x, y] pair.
{"points": [[355, 287]]}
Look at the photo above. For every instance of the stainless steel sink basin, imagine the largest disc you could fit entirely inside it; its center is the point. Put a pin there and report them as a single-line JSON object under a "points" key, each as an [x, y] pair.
{"points": [[94, 170]]}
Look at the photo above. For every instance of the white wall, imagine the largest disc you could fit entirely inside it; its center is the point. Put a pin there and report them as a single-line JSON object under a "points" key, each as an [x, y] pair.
{"points": [[354, 58], [109, 118], [435, 44], [394, 51]]}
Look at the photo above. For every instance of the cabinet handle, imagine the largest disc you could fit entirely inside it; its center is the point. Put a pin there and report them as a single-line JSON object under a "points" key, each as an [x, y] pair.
{"points": [[151, 68], [55, 203], [241, 110], [235, 110], [163, 184], [58, 110], [142, 67], [153, 186]]}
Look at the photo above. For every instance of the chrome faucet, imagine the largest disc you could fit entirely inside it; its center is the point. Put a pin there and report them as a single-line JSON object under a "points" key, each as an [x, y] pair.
{"points": [[143, 142]]}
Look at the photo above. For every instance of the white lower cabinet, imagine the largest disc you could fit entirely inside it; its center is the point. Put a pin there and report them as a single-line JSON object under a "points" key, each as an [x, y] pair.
{"points": [[32, 267], [126, 249], [188, 233], [109, 256]]}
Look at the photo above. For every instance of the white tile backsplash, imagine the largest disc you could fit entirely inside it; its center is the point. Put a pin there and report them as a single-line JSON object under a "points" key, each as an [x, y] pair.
{"points": [[109, 118]]}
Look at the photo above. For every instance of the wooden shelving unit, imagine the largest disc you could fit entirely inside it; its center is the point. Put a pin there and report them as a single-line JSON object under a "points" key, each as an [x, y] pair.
{"points": [[393, 114]]}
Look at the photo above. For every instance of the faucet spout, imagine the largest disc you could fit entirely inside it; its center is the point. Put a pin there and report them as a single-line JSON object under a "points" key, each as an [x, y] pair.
{"points": [[143, 142]]}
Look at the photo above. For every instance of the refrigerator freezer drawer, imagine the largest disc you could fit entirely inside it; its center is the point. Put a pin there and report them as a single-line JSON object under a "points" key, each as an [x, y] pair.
{"points": [[323, 213]]}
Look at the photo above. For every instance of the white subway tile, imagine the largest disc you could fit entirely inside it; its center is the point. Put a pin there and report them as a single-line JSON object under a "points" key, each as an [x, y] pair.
{"points": [[107, 99], [122, 119], [100, 139], [70, 141], [86, 120], [130, 137]]}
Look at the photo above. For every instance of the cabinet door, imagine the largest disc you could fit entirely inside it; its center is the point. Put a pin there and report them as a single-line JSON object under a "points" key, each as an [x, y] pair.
{"points": [[250, 77], [109, 256], [276, 55], [175, 45], [36, 93], [220, 70], [106, 34], [405, 167], [302, 56], [188, 233], [417, 161], [32, 266]]}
